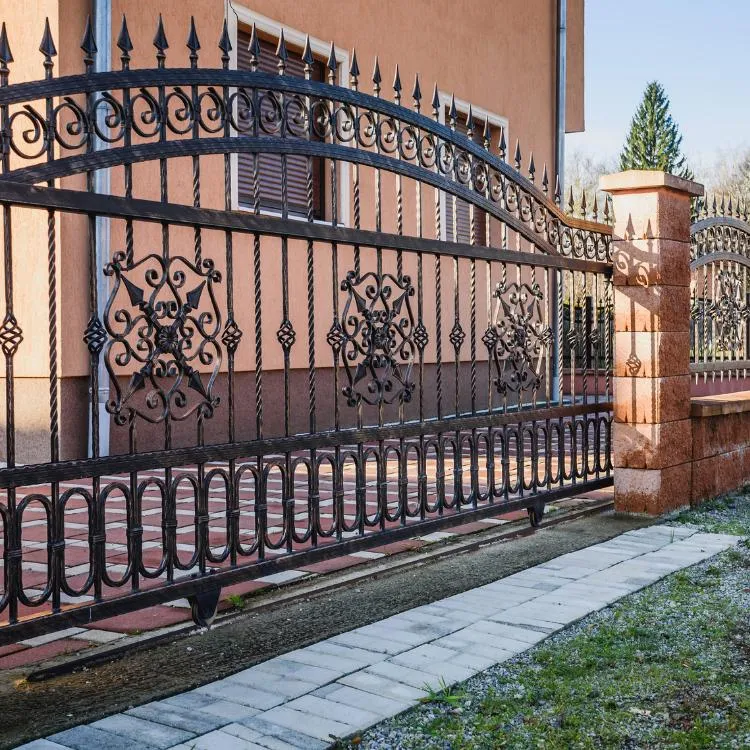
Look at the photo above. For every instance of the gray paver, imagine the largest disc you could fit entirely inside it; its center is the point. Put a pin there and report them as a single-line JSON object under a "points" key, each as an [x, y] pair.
{"points": [[220, 740], [283, 667], [315, 726], [448, 673], [277, 737], [87, 737], [203, 703], [162, 712], [327, 709], [276, 685], [379, 685], [358, 640], [236, 692], [142, 731], [41, 745], [352, 697]]}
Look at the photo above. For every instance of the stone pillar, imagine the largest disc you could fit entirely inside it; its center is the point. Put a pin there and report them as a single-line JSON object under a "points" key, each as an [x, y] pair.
{"points": [[652, 439]]}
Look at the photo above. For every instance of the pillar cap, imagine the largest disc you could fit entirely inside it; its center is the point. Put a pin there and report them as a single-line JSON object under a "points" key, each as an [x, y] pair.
{"points": [[647, 179]]}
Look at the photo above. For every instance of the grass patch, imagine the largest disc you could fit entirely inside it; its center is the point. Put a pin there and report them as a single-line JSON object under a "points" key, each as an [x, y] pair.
{"points": [[668, 667], [729, 514]]}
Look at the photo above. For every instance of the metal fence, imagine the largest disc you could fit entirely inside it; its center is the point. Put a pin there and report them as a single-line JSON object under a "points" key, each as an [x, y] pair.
{"points": [[720, 293], [277, 389]]}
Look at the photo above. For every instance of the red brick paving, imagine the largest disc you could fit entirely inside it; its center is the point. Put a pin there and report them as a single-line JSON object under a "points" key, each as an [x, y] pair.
{"points": [[25, 656]]}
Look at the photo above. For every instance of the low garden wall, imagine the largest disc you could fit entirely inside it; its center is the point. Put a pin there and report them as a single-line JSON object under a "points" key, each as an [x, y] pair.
{"points": [[721, 444]]}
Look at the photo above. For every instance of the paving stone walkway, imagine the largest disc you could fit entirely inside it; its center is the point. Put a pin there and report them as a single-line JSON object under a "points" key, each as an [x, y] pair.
{"points": [[306, 698]]}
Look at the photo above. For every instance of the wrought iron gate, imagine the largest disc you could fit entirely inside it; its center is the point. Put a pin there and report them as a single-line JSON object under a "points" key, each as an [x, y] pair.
{"points": [[720, 291], [277, 388]]}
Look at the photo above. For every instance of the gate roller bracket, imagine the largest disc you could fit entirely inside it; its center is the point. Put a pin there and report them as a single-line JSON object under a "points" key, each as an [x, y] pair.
{"points": [[536, 513], [204, 606]]}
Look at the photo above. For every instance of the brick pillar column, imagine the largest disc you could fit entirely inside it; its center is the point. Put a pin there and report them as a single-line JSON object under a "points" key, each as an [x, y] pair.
{"points": [[652, 439]]}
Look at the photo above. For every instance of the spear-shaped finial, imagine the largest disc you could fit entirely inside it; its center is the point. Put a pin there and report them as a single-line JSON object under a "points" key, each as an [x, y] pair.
{"points": [[308, 59], [595, 210], [558, 192], [435, 102], [502, 145], [376, 77], [88, 45], [486, 133], [583, 204], [124, 44], [545, 179], [606, 209], [47, 48], [532, 167], [452, 113], [397, 85], [225, 45], [416, 93], [517, 157], [571, 202], [6, 56], [722, 204], [332, 64], [253, 48], [730, 207], [713, 205], [470, 123], [281, 54], [161, 43], [354, 70], [193, 43]]}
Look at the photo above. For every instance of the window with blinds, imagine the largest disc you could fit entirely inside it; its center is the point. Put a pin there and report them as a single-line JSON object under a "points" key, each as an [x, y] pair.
{"points": [[463, 211], [269, 166]]}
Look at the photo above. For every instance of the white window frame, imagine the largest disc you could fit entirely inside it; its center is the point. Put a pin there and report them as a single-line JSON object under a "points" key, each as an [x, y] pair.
{"points": [[479, 114], [320, 49]]}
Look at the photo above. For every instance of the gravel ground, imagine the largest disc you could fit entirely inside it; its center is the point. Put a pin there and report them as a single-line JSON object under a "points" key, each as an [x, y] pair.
{"points": [[666, 667]]}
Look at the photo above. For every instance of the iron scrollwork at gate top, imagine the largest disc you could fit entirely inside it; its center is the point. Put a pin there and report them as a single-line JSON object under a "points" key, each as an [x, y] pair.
{"points": [[164, 330]]}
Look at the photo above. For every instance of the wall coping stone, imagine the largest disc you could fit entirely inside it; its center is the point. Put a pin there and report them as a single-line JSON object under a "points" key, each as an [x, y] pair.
{"points": [[645, 179], [723, 403]]}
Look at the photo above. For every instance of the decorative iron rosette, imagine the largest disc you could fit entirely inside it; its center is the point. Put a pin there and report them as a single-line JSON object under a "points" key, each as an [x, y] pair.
{"points": [[518, 338], [376, 338], [162, 322], [728, 311]]}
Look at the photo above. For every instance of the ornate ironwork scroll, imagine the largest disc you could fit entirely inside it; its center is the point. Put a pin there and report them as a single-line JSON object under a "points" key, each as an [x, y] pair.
{"points": [[162, 321], [376, 338], [518, 339], [720, 290]]}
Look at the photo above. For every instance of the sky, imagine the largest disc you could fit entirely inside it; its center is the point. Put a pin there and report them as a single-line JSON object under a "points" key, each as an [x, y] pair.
{"points": [[697, 49]]}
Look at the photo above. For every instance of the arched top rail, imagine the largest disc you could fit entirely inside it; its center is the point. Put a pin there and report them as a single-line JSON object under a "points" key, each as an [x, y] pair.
{"points": [[729, 222], [715, 239], [190, 111]]}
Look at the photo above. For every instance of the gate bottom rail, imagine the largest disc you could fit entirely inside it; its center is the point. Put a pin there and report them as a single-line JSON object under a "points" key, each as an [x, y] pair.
{"points": [[198, 587]]}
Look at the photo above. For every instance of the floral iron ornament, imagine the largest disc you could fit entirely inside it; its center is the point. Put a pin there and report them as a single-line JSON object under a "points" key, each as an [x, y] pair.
{"points": [[728, 312], [167, 332], [376, 338], [518, 337]]}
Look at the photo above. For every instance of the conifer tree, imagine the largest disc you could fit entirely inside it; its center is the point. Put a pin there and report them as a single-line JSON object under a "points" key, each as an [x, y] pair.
{"points": [[654, 139]]}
